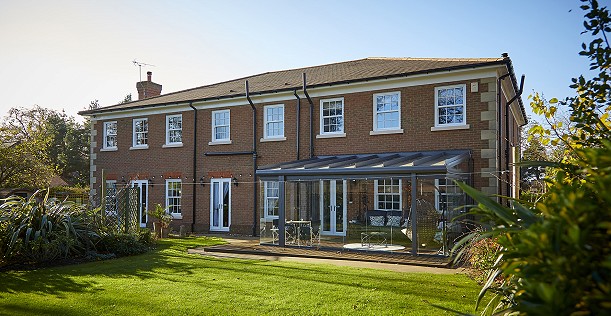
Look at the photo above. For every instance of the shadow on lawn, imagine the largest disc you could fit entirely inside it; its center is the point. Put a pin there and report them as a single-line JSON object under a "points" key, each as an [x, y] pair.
{"points": [[171, 263], [63, 280], [363, 279]]}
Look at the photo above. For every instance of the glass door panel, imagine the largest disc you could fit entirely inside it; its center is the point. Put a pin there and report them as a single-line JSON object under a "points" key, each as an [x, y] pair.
{"points": [[340, 210], [215, 205], [332, 207], [142, 185], [220, 204], [225, 205]]}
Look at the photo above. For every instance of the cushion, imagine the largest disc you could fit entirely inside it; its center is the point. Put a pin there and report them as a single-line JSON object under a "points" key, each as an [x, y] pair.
{"points": [[393, 220], [376, 220]]}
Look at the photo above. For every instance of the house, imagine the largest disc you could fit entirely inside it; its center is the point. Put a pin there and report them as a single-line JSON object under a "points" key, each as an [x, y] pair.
{"points": [[358, 154]]}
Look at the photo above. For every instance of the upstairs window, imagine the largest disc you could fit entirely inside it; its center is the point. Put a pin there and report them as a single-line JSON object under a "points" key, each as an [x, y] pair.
{"points": [[387, 111], [450, 106], [332, 116], [220, 126], [110, 135], [173, 130], [141, 131], [274, 121], [173, 194], [388, 194]]}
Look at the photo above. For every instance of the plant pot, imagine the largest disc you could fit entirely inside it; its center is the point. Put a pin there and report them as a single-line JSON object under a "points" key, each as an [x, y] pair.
{"points": [[157, 229], [165, 232]]}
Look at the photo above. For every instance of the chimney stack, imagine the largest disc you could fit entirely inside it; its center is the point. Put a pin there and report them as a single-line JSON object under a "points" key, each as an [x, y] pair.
{"points": [[148, 89]]}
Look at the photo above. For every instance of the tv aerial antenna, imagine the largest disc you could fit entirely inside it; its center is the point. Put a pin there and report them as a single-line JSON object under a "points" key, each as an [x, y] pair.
{"points": [[140, 64]]}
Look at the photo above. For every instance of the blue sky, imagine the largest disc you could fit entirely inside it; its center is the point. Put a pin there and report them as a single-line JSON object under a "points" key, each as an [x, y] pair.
{"points": [[63, 54]]}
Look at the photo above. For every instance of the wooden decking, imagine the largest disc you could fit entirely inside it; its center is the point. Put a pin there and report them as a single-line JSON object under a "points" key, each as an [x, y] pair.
{"points": [[251, 246]]}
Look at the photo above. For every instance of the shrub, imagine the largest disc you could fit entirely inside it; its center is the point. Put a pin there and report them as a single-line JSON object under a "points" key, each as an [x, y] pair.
{"points": [[145, 236], [481, 255], [125, 244], [41, 229]]}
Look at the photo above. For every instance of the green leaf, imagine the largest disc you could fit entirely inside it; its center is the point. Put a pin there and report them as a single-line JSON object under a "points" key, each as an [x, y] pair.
{"points": [[491, 205]]}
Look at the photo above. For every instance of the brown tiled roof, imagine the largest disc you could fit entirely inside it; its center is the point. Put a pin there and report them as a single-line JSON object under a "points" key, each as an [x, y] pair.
{"points": [[288, 80]]}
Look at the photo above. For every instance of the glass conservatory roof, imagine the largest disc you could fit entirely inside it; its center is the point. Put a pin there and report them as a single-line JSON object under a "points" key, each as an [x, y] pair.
{"points": [[368, 165]]}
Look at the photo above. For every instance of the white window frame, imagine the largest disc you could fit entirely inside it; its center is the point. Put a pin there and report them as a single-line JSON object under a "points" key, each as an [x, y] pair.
{"points": [[134, 137], [106, 135], [227, 140], [268, 198], [168, 130], [341, 133], [176, 215], [377, 194], [388, 130], [439, 193], [266, 135], [464, 105]]}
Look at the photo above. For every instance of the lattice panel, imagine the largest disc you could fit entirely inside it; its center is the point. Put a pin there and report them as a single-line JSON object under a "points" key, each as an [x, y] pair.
{"points": [[122, 209]]}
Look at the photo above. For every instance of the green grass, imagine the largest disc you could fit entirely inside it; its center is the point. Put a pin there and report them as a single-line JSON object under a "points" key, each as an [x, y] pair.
{"points": [[168, 281]]}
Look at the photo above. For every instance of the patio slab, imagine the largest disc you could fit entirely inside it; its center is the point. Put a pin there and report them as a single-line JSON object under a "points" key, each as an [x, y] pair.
{"points": [[249, 248]]}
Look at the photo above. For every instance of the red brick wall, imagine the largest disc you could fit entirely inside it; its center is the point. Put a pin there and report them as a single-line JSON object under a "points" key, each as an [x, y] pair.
{"points": [[417, 118]]}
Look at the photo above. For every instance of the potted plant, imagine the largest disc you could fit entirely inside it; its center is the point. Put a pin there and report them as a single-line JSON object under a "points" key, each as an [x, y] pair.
{"points": [[162, 223]]}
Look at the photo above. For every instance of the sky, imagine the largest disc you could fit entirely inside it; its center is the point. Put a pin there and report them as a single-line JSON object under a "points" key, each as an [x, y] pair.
{"points": [[64, 54]]}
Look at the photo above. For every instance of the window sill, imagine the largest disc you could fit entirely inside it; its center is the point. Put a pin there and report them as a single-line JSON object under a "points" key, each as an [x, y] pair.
{"points": [[449, 128], [335, 135], [174, 145], [277, 139], [385, 132], [176, 216], [139, 147], [109, 149], [220, 142]]}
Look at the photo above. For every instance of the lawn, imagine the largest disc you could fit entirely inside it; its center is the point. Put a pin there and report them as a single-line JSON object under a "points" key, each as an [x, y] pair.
{"points": [[169, 281]]}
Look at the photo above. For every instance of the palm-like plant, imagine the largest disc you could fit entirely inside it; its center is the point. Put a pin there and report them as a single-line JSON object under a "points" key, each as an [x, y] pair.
{"points": [[42, 228]]}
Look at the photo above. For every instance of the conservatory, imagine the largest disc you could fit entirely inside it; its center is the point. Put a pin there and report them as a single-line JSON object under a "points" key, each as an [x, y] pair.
{"points": [[405, 202]]}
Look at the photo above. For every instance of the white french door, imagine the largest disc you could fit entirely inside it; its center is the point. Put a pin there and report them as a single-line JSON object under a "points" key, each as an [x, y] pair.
{"points": [[220, 204], [333, 207], [143, 197]]}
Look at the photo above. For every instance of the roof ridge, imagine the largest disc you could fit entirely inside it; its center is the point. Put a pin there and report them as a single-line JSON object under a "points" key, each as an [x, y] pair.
{"points": [[436, 58]]}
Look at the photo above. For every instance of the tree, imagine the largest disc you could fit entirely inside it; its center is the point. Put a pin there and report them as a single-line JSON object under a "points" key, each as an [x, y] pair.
{"points": [[51, 138], [555, 255], [21, 166]]}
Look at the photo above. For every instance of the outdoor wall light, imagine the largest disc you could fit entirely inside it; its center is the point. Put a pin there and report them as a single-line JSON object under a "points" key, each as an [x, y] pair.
{"points": [[123, 180], [202, 181], [235, 181]]}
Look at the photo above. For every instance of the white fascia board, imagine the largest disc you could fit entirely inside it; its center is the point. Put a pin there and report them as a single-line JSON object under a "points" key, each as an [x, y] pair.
{"points": [[332, 90], [162, 109]]}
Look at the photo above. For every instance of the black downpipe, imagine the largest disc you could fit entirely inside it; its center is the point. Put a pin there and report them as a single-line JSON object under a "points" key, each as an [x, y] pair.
{"points": [[499, 138], [305, 91], [254, 160], [194, 165], [298, 121], [507, 147]]}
